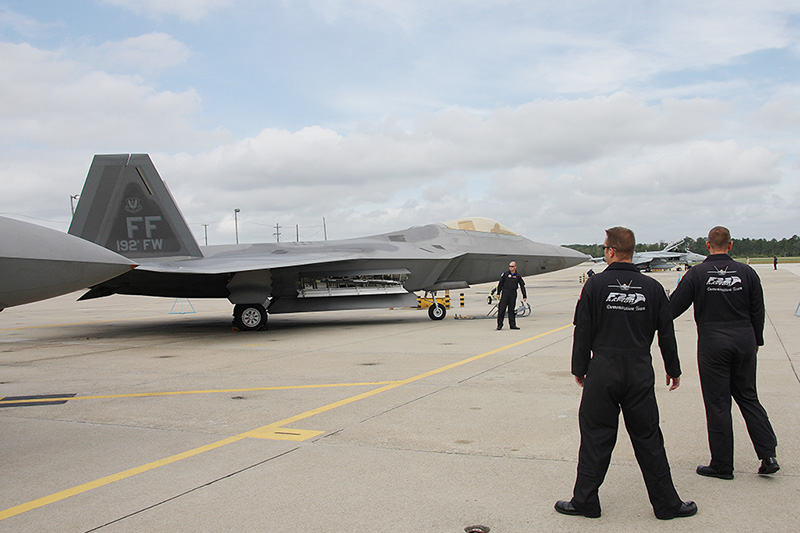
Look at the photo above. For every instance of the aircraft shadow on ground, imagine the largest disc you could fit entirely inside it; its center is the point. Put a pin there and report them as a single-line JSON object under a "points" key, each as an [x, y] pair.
{"points": [[221, 326]]}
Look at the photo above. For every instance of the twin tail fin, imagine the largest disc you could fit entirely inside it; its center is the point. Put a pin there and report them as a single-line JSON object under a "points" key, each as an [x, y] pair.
{"points": [[127, 208]]}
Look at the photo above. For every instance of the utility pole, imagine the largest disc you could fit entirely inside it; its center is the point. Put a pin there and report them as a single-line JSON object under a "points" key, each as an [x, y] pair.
{"points": [[205, 229], [324, 229], [277, 233], [297, 231]]}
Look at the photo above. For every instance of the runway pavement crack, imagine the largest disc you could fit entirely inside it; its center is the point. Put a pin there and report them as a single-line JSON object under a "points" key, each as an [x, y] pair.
{"points": [[194, 489], [446, 387]]}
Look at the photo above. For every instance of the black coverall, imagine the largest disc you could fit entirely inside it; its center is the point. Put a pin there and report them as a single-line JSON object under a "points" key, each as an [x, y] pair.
{"points": [[729, 312], [616, 318], [507, 289]]}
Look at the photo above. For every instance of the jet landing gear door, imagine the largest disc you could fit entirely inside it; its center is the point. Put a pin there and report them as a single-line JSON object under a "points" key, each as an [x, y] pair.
{"points": [[249, 291]]}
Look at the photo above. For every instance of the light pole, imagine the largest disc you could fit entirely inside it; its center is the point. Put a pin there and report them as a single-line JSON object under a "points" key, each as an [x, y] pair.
{"points": [[236, 221]]}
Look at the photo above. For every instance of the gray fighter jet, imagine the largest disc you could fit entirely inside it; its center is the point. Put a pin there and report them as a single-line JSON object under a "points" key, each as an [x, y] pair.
{"points": [[126, 207], [37, 263], [666, 258]]}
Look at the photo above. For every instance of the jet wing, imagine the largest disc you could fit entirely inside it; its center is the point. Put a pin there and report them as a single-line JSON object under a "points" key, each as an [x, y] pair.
{"points": [[231, 264]]}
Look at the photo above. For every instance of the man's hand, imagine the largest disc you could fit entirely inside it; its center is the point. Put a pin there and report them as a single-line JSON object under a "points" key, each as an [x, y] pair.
{"points": [[580, 379], [676, 382]]}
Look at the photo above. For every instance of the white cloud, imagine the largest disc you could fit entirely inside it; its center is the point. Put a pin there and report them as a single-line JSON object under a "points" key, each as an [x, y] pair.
{"points": [[22, 25], [56, 102], [557, 119], [552, 164], [190, 10], [148, 54]]}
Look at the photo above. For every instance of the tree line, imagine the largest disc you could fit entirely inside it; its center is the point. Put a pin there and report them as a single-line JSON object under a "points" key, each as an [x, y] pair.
{"points": [[741, 247]]}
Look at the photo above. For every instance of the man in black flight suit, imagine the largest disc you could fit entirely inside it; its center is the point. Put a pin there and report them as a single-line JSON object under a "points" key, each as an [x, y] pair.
{"points": [[616, 318], [507, 289], [729, 312]]}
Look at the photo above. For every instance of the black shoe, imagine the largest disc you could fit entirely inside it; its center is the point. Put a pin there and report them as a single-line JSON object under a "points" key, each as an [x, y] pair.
{"points": [[769, 466], [565, 507], [514, 327], [710, 471], [499, 327], [686, 509]]}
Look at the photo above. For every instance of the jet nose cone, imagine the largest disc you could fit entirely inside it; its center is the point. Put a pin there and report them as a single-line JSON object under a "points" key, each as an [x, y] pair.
{"points": [[37, 263], [573, 257]]}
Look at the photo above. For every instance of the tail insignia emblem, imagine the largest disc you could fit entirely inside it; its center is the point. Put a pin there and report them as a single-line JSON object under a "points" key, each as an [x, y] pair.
{"points": [[133, 205]]}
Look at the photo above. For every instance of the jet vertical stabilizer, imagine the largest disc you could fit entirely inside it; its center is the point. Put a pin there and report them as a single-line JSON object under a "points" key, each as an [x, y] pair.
{"points": [[127, 208]]}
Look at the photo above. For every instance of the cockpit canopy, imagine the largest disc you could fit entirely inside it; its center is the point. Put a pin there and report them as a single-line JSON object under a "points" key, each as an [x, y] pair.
{"points": [[485, 225]]}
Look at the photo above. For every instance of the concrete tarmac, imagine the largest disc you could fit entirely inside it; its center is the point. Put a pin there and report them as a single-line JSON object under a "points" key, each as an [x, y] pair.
{"points": [[368, 421]]}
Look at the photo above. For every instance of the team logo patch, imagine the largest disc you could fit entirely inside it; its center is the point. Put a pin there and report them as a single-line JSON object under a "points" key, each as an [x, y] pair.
{"points": [[722, 278], [625, 297], [730, 281]]}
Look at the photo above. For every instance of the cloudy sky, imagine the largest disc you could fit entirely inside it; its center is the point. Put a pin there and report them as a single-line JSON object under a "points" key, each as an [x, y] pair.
{"points": [[558, 119]]}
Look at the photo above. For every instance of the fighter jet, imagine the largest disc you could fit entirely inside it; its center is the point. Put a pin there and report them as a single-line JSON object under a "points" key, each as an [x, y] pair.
{"points": [[666, 258], [37, 263], [127, 208], [669, 257]]}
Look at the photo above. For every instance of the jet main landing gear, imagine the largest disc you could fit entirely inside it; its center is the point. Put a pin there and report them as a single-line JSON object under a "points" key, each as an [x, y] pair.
{"points": [[249, 317]]}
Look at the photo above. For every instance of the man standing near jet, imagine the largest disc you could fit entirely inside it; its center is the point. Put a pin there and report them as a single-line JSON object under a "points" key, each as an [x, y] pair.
{"points": [[729, 312], [616, 318], [507, 289]]}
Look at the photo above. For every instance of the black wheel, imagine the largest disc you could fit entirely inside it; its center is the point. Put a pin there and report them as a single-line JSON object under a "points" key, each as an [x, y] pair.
{"points": [[437, 311], [249, 317]]}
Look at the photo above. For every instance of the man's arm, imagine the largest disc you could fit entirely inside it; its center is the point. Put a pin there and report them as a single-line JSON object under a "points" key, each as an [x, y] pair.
{"points": [[666, 338], [582, 336], [682, 297], [757, 311]]}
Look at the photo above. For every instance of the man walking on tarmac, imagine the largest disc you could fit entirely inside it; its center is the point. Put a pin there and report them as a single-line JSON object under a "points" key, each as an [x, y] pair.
{"points": [[507, 289], [729, 312], [616, 318]]}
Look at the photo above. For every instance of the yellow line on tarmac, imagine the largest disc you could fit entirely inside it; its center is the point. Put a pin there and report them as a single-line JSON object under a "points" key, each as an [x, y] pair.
{"points": [[178, 393], [41, 502], [58, 496]]}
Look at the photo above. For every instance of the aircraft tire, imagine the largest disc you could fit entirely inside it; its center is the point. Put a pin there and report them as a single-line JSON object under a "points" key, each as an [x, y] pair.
{"points": [[437, 311], [249, 317]]}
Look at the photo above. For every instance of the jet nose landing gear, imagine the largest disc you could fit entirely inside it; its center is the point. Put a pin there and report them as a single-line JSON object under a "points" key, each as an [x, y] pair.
{"points": [[437, 311]]}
